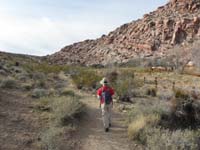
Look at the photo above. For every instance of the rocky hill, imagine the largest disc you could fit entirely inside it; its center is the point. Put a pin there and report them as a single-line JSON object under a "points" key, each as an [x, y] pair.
{"points": [[175, 24]]}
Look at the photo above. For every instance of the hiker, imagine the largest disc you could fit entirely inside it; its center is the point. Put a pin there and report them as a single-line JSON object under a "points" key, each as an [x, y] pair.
{"points": [[105, 94]]}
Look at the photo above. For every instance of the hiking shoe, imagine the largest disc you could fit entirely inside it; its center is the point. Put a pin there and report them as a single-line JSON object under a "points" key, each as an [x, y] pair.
{"points": [[106, 129]]}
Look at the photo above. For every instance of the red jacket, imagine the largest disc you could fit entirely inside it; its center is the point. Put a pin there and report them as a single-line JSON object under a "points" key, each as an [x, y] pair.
{"points": [[103, 88]]}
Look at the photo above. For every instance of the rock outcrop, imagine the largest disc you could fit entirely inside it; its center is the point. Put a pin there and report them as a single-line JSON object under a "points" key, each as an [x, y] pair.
{"points": [[175, 24]]}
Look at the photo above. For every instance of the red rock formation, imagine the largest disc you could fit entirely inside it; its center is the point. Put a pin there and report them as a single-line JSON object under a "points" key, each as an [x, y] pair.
{"points": [[171, 25]]}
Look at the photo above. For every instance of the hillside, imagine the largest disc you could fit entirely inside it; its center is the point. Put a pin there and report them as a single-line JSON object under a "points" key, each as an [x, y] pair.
{"points": [[175, 24]]}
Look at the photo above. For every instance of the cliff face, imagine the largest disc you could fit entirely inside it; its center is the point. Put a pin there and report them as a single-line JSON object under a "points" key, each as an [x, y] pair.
{"points": [[175, 24]]}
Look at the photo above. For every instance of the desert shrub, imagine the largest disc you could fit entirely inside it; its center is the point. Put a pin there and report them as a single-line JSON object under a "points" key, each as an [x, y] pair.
{"points": [[22, 76], [145, 108], [15, 69], [51, 138], [40, 84], [8, 83], [38, 76], [125, 85], [27, 86], [38, 93], [86, 78], [185, 115], [140, 123], [112, 76], [157, 139], [52, 92], [66, 92], [181, 94], [60, 85], [67, 110], [184, 111], [151, 92], [43, 104], [45, 68]]}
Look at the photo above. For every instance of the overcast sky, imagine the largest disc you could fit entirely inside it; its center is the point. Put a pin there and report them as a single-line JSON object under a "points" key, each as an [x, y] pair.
{"points": [[41, 27]]}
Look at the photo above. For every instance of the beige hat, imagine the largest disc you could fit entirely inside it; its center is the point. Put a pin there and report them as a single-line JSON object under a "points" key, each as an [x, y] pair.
{"points": [[104, 81]]}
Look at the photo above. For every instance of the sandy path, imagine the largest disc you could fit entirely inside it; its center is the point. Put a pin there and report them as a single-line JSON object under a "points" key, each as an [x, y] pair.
{"points": [[91, 132]]}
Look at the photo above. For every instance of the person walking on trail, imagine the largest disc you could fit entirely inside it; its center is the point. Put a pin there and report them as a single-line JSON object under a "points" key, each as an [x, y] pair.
{"points": [[105, 94]]}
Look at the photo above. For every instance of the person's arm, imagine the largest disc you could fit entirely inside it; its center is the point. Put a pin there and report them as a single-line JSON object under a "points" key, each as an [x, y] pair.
{"points": [[99, 97], [112, 93]]}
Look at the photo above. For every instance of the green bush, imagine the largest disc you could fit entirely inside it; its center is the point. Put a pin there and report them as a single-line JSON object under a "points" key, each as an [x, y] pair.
{"points": [[8, 83], [85, 78], [38, 93], [45, 68], [125, 85]]}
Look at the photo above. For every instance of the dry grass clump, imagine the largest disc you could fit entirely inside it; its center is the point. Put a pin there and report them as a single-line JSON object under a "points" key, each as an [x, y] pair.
{"points": [[139, 124]]}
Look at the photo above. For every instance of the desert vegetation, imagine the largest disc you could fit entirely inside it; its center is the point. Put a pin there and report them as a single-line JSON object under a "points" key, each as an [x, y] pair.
{"points": [[162, 107]]}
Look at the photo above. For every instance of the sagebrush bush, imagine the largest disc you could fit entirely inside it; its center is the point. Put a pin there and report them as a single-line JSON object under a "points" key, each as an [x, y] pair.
{"points": [[51, 138], [67, 110], [8, 83], [38, 93], [157, 139], [144, 108]]}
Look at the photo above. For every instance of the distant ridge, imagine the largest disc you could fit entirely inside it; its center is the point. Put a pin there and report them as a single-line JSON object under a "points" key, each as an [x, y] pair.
{"points": [[175, 24]]}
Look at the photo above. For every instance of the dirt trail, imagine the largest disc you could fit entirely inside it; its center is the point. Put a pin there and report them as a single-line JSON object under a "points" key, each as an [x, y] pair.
{"points": [[92, 135], [18, 124]]}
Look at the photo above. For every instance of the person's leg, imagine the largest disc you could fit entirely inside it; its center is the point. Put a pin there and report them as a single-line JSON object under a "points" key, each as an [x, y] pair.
{"points": [[109, 114], [105, 116]]}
